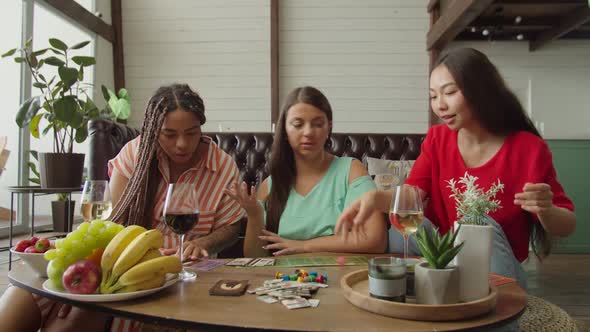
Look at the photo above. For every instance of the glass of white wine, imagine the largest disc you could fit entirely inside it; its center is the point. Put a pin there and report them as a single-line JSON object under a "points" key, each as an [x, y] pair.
{"points": [[96, 200], [406, 212]]}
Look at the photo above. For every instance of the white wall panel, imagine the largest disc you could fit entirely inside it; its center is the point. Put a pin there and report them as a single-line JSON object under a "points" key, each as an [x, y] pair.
{"points": [[368, 57], [221, 48], [552, 82]]}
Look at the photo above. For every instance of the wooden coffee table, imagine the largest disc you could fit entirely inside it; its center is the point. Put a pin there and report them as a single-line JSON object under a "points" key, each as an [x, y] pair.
{"points": [[189, 305]]}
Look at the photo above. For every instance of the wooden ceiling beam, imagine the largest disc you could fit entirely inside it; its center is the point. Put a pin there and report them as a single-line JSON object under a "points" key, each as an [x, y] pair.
{"points": [[566, 24], [455, 19], [82, 16]]}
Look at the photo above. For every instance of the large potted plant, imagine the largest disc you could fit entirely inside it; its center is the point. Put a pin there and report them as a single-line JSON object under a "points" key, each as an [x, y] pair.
{"points": [[473, 206], [437, 282], [63, 105]]}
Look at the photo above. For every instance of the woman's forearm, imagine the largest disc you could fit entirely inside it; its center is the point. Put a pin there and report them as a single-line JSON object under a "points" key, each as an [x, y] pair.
{"points": [[558, 221], [220, 238], [252, 244], [353, 243], [383, 200], [368, 238]]}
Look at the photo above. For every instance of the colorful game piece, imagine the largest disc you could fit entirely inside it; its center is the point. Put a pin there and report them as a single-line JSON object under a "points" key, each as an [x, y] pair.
{"points": [[300, 279], [313, 273], [319, 279], [279, 275], [312, 278], [325, 277], [306, 279], [286, 278], [293, 277]]}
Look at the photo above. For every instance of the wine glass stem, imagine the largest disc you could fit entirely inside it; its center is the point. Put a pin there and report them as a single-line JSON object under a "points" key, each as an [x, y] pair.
{"points": [[405, 247], [181, 251]]}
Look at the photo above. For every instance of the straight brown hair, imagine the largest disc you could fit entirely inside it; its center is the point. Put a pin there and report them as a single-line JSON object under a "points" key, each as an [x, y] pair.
{"points": [[282, 162]]}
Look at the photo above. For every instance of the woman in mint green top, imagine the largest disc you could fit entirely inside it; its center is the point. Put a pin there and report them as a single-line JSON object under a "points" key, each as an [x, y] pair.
{"points": [[313, 215], [296, 212]]}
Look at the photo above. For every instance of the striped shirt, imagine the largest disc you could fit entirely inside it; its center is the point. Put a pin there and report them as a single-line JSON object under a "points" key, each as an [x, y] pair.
{"points": [[210, 176]]}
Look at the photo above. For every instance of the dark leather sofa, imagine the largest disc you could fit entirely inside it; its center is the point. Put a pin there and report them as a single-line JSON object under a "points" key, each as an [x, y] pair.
{"points": [[252, 150]]}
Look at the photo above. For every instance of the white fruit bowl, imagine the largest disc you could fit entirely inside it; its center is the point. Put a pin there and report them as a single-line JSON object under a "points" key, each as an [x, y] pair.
{"points": [[36, 261]]}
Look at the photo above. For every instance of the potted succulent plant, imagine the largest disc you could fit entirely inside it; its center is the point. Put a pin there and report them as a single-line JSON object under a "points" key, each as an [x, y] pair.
{"points": [[64, 105], [473, 206], [437, 282]]}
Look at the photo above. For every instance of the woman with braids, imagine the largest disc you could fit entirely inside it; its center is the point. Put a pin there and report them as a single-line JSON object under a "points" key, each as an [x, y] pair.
{"points": [[486, 133], [171, 149], [296, 207]]}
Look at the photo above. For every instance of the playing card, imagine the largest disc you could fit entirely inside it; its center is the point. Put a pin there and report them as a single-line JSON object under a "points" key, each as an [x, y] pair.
{"points": [[239, 262], [267, 299], [314, 302], [262, 262], [295, 303], [205, 264]]}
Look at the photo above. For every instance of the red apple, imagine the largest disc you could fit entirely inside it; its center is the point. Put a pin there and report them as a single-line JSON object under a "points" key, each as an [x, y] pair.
{"points": [[22, 245], [42, 245], [82, 277], [32, 250], [34, 240]]}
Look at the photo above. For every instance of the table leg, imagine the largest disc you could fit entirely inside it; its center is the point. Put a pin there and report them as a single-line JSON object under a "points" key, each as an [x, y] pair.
{"points": [[32, 214], [10, 231]]}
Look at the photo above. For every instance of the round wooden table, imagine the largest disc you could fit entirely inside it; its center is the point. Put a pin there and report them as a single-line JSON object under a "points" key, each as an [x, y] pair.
{"points": [[189, 305]]}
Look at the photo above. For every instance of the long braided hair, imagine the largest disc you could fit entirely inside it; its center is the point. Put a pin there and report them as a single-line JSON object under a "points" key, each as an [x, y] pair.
{"points": [[496, 107], [135, 207]]}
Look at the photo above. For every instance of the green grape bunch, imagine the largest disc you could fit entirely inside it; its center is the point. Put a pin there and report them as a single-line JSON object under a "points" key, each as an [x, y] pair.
{"points": [[78, 245]]}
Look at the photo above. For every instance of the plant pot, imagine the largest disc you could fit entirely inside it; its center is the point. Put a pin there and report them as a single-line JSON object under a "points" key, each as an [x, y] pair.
{"points": [[59, 214], [473, 261], [436, 286], [61, 170]]}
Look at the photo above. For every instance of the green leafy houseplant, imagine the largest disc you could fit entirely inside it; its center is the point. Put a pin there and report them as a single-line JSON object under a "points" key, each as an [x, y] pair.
{"points": [[64, 102], [437, 250], [472, 202]]}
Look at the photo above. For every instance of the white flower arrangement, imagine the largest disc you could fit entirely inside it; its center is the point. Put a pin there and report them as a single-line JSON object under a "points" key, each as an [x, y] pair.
{"points": [[473, 204]]}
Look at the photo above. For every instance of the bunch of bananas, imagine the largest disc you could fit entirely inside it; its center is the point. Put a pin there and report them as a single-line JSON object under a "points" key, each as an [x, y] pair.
{"points": [[132, 261]]}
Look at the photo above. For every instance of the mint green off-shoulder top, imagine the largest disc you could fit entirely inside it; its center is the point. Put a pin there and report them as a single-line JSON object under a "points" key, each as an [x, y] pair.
{"points": [[315, 214]]}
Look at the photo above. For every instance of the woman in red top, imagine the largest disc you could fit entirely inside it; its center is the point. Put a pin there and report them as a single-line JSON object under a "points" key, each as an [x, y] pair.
{"points": [[486, 133]]}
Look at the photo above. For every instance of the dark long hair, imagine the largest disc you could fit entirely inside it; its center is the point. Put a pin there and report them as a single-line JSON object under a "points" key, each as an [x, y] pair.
{"points": [[135, 207], [282, 162], [495, 107]]}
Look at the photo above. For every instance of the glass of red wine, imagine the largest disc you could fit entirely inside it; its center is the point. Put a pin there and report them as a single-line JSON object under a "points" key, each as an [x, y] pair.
{"points": [[406, 212], [181, 213]]}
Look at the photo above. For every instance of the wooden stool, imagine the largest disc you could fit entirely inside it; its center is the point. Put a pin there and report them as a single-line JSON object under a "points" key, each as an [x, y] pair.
{"points": [[541, 315]]}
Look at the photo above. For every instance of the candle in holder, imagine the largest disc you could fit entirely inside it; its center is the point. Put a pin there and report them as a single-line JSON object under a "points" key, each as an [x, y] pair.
{"points": [[387, 278]]}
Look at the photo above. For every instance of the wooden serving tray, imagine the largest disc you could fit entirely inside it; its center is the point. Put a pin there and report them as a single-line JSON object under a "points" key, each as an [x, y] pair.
{"points": [[355, 286]]}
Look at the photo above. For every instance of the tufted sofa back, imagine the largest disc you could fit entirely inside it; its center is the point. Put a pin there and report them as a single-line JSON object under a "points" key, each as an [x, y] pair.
{"points": [[251, 151]]}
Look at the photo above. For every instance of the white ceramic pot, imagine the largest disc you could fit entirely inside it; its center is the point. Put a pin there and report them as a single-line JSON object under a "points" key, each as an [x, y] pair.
{"points": [[436, 286], [473, 261]]}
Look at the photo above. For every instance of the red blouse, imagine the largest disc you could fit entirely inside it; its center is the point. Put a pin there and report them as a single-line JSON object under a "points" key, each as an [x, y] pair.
{"points": [[523, 158]]}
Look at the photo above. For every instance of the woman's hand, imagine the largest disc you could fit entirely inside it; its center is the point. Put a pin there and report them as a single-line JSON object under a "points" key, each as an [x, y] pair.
{"points": [[193, 250], [285, 246], [535, 198], [356, 214], [246, 200]]}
